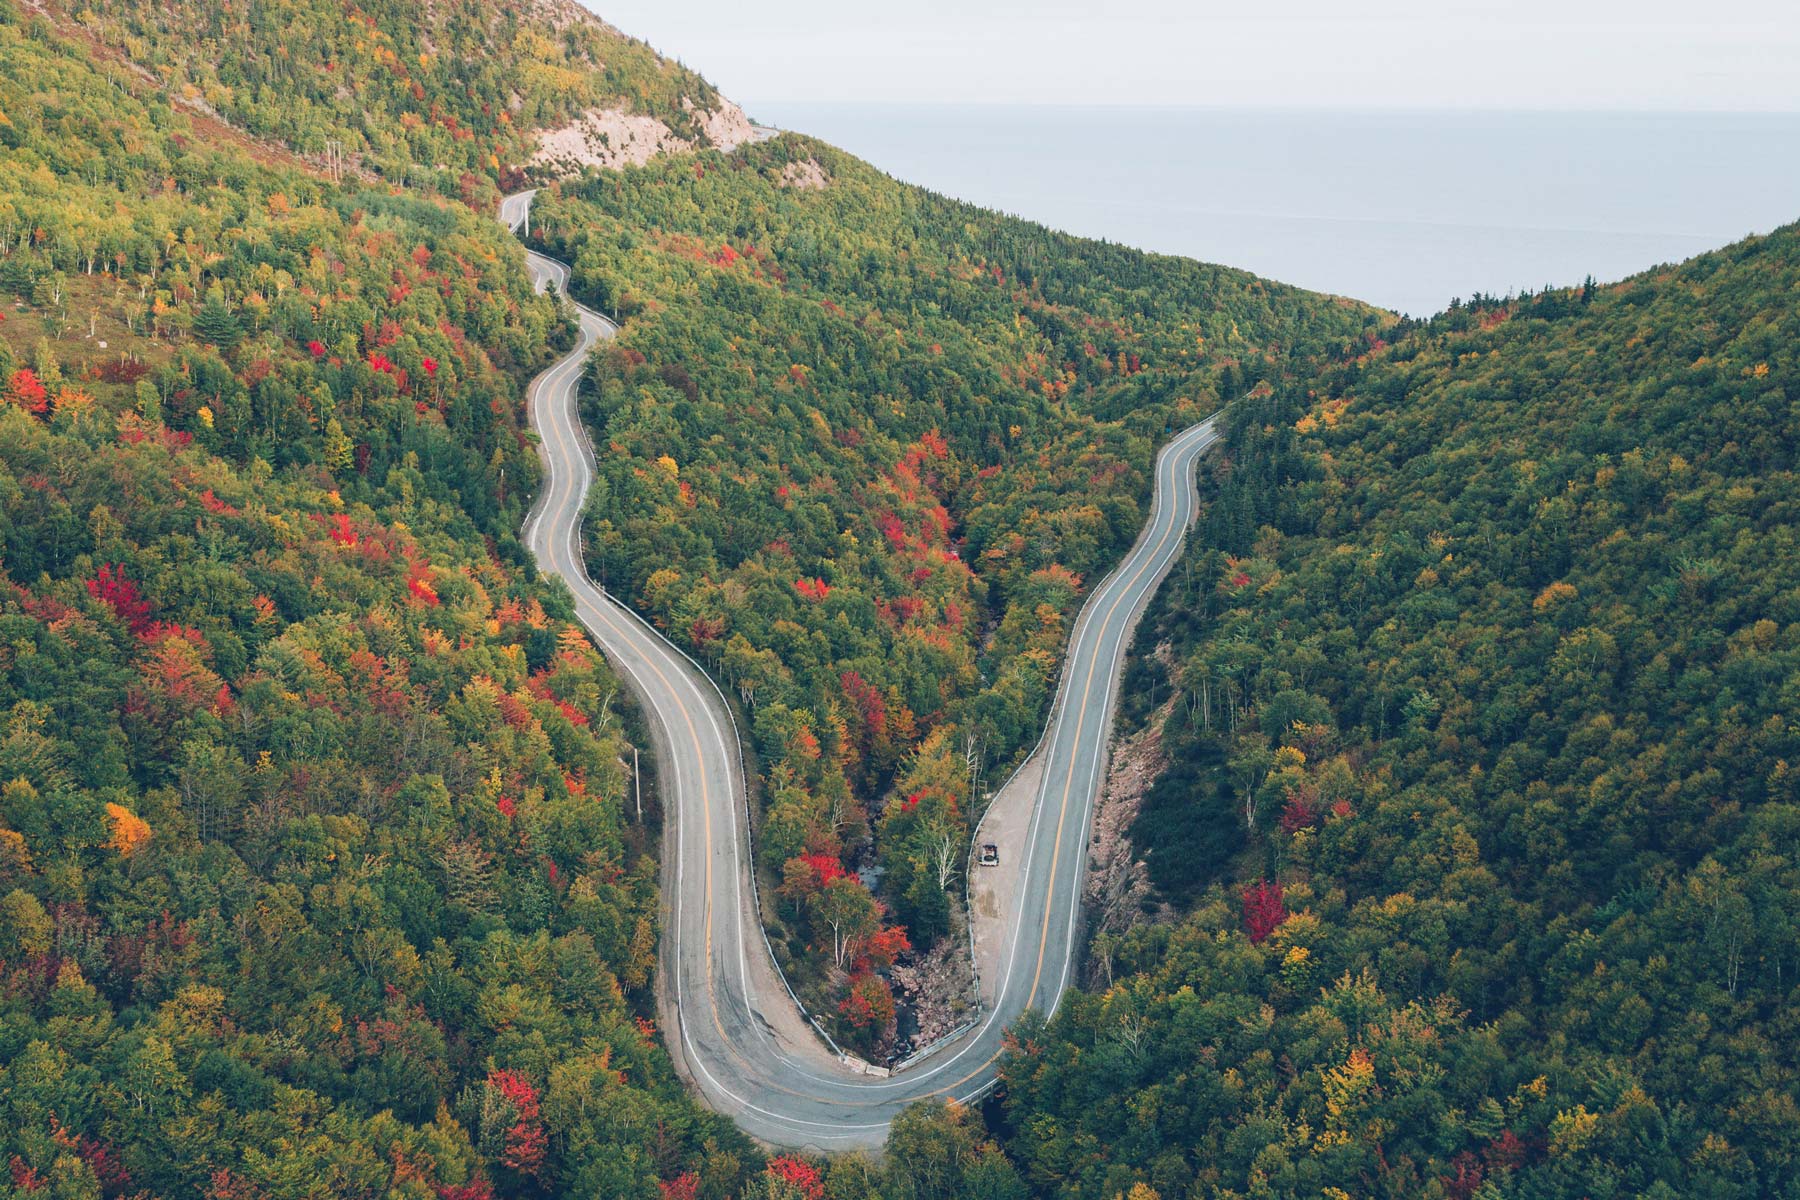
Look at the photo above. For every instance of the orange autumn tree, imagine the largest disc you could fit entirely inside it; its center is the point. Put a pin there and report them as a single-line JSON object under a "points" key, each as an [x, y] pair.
{"points": [[129, 831]]}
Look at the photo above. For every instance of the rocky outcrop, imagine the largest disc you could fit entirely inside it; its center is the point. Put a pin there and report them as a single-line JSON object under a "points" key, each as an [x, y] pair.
{"points": [[936, 988], [1117, 892], [804, 175], [613, 137]]}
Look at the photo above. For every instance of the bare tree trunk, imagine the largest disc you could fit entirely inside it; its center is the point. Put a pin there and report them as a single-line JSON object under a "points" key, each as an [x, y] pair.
{"points": [[944, 853], [973, 753]]}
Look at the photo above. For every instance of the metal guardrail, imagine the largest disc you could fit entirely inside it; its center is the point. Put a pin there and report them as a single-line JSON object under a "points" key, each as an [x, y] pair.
{"points": [[931, 1047]]}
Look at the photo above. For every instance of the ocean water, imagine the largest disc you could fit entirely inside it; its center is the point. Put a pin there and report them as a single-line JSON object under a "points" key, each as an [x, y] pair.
{"points": [[1405, 210]]}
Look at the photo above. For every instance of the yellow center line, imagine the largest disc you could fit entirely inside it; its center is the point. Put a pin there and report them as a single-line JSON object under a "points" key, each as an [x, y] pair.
{"points": [[1068, 787]]}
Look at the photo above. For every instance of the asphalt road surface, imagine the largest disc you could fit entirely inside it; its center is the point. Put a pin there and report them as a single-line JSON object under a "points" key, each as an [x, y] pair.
{"points": [[735, 1031]]}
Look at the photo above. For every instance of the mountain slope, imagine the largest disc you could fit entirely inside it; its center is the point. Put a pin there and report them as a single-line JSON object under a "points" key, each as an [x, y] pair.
{"points": [[1484, 807], [315, 875], [862, 449], [316, 871], [416, 91]]}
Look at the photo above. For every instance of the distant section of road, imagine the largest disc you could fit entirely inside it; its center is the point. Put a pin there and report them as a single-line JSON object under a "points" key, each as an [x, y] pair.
{"points": [[732, 1025]]}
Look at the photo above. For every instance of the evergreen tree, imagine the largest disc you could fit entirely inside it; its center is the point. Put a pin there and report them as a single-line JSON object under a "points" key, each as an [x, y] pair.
{"points": [[216, 323]]}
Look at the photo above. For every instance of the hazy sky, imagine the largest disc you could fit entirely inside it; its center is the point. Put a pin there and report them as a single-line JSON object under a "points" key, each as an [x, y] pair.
{"points": [[1589, 54]]}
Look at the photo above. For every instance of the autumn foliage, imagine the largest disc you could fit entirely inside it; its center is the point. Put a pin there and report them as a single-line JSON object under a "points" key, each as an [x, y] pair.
{"points": [[1264, 909], [129, 831], [798, 1174], [111, 587], [234, 699], [24, 390], [869, 1007], [525, 1143]]}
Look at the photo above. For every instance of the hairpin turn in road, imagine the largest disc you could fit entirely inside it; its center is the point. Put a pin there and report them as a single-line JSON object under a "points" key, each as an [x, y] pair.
{"points": [[733, 1027]]}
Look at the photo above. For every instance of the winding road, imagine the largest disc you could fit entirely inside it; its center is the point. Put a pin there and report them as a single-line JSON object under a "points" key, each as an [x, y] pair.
{"points": [[734, 1029]]}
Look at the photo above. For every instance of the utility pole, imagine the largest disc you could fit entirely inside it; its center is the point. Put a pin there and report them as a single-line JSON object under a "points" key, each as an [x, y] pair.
{"points": [[637, 784]]}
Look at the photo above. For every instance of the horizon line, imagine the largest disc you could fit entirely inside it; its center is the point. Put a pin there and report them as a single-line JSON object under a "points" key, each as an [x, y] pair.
{"points": [[1347, 109]]}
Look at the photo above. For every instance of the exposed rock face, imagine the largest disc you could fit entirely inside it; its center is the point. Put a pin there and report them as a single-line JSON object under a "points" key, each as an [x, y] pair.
{"points": [[935, 987], [1117, 892], [612, 137], [805, 175], [726, 127]]}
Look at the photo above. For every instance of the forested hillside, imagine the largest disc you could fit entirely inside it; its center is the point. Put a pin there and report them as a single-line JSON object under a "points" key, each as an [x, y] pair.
{"points": [[448, 93], [315, 872], [1483, 804], [861, 450], [315, 877]]}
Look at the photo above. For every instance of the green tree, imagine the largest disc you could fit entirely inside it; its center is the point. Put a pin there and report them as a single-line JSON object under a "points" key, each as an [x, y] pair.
{"points": [[216, 323]]}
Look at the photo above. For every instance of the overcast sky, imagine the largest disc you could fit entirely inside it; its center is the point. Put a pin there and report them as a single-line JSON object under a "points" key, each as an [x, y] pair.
{"points": [[1588, 54]]}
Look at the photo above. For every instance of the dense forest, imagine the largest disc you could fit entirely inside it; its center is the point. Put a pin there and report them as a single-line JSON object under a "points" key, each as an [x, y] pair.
{"points": [[862, 448], [1482, 807], [316, 872], [315, 875]]}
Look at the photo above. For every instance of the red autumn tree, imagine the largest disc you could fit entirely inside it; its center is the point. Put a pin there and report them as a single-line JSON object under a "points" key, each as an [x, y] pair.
{"points": [[805, 875], [476, 1189], [887, 945], [103, 1161], [1300, 812], [216, 506], [1507, 1152], [706, 631], [524, 1143], [24, 1176], [418, 583], [175, 682], [869, 1008], [28, 392], [1264, 909], [1467, 1181], [800, 1174], [112, 588], [869, 705]]}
